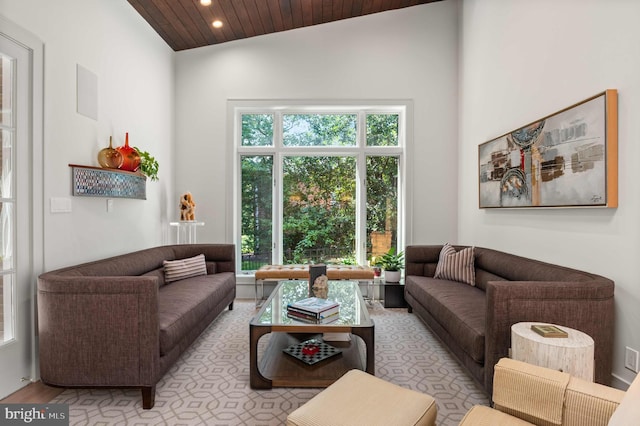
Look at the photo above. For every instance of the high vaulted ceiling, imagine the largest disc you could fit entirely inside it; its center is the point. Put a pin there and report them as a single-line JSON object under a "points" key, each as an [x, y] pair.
{"points": [[185, 24]]}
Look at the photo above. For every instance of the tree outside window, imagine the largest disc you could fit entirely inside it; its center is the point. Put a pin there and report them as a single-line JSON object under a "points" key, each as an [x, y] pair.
{"points": [[314, 170]]}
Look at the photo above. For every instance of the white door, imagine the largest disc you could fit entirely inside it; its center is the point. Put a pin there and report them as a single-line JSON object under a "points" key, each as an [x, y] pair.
{"points": [[17, 258]]}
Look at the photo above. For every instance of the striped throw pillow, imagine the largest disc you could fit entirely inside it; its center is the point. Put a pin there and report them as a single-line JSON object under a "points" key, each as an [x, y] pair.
{"points": [[456, 266], [180, 269]]}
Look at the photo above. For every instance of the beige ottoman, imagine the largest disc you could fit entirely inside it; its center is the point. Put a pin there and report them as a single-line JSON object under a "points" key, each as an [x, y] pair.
{"points": [[358, 398]]}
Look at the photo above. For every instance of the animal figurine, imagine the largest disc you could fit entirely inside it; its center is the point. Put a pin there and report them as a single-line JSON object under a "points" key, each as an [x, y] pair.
{"points": [[187, 207]]}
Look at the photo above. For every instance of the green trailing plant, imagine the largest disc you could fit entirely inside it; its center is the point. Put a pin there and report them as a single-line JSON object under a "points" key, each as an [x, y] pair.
{"points": [[148, 164], [391, 261]]}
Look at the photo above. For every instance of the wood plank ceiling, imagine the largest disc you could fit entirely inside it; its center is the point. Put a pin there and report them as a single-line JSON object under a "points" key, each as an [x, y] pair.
{"points": [[186, 24]]}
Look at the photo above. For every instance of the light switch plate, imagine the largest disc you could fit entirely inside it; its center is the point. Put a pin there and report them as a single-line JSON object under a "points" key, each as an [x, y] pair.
{"points": [[60, 205], [631, 359]]}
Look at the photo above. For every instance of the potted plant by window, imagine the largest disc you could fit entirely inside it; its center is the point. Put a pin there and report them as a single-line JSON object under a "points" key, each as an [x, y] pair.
{"points": [[391, 263]]}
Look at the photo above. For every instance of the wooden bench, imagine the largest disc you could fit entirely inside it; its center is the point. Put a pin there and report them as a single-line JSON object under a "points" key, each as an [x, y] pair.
{"points": [[301, 272]]}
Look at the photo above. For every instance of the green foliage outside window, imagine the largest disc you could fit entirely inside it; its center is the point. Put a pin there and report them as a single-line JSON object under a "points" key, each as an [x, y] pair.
{"points": [[319, 191], [319, 129], [382, 130], [257, 130], [257, 199], [319, 208]]}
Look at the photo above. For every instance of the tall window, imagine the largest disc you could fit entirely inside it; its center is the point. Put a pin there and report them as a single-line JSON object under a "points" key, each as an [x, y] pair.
{"points": [[318, 184], [7, 198]]}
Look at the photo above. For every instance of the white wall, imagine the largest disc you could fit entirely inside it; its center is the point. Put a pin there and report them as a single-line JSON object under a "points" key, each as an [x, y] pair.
{"points": [[519, 61], [404, 54], [135, 70]]}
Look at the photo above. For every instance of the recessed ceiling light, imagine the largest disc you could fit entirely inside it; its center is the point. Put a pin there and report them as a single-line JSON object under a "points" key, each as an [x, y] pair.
{"points": [[205, 2], [217, 23]]}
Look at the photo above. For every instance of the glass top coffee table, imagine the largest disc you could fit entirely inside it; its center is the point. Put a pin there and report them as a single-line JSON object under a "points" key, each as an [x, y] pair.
{"points": [[271, 367]]}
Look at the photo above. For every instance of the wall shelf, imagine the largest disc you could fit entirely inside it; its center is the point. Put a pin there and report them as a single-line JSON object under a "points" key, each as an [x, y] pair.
{"points": [[88, 181]]}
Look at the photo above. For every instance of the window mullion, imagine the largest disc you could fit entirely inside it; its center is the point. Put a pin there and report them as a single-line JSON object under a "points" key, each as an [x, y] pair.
{"points": [[277, 242], [361, 192]]}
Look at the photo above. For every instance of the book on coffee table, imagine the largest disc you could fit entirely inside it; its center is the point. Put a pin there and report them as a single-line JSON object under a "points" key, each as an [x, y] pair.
{"points": [[313, 319], [314, 307]]}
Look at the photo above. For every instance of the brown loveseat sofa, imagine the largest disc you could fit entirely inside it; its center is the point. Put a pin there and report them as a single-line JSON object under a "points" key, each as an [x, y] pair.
{"points": [[474, 322], [117, 323]]}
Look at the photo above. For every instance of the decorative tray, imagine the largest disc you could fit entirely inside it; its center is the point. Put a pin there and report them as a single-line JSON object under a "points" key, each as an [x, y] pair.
{"points": [[312, 351]]}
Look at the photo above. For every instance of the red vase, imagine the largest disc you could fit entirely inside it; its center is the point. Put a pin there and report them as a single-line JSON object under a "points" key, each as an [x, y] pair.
{"points": [[130, 157]]}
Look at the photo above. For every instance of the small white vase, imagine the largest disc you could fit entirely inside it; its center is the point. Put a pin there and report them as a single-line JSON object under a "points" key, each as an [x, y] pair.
{"points": [[392, 276]]}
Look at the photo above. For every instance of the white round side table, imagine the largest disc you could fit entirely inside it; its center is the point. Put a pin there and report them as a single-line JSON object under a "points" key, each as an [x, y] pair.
{"points": [[572, 354]]}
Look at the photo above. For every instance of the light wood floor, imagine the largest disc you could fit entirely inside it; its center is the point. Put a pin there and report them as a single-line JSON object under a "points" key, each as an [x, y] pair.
{"points": [[35, 393]]}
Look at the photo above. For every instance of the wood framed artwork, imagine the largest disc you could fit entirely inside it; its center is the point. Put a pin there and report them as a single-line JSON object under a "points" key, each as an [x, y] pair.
{"points": [[566, 159]]}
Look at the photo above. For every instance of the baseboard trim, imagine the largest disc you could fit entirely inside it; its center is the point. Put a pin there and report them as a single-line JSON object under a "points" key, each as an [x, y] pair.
{"points": [[619, 383]]}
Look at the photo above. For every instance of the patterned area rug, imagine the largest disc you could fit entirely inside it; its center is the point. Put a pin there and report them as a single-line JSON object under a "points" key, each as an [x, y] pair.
{"points": [[209, 385]]}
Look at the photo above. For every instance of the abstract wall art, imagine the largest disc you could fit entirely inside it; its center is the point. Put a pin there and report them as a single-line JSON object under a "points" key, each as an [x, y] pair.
{"points": [[566, 159]]}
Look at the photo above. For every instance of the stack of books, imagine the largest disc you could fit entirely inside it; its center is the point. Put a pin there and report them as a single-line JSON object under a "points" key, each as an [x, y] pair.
{"points": [[314, 310]]}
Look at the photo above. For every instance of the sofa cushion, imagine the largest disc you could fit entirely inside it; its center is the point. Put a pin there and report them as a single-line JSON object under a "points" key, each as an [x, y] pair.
{"points": [[484, 277], [183, 304], [136, 263], [459, 308], [175, 270], [212, 268], [516, 268], [158, 273], [456, 266]]}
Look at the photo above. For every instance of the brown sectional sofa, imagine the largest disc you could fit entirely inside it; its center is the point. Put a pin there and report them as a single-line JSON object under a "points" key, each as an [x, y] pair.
{"points": [[115, 323], [474, 322]]}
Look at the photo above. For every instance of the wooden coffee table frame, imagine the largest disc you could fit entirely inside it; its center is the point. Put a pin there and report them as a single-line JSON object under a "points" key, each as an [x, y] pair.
{"points": [[277, 369]]}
